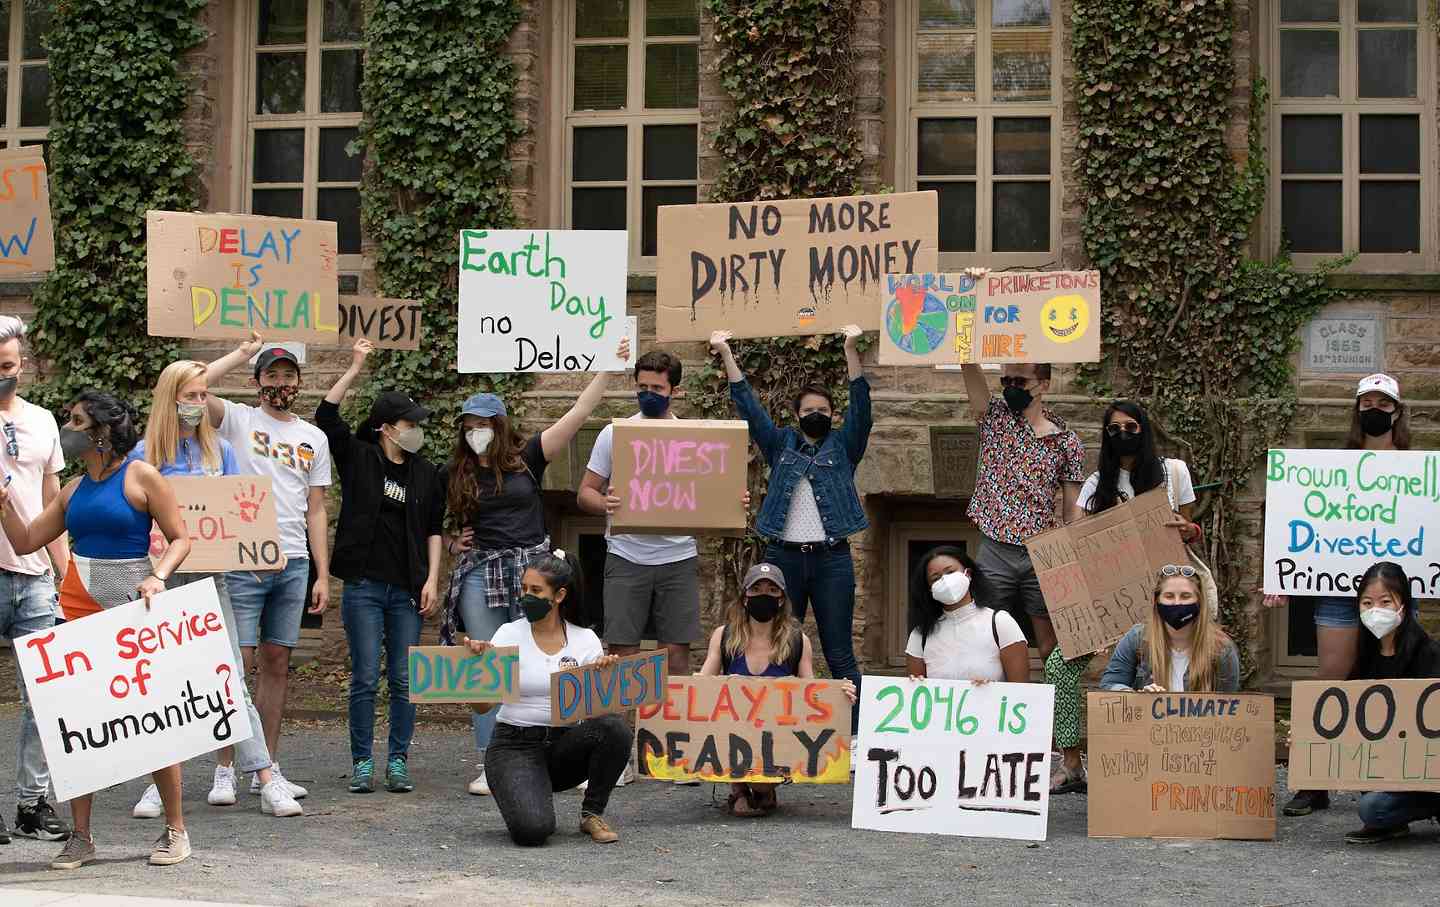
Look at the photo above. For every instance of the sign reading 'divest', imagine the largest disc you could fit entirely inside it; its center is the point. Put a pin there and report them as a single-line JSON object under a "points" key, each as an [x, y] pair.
{"points": [[1365, 735], [587, 691], [27, 239], [225, 275], [130, 690], [231, 523], [453, 674], [390, 324], [680, 476], [948, 757], [802, 266], [541, 300]]}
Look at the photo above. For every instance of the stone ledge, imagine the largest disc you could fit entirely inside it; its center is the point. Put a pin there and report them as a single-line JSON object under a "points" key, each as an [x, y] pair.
{"points": [[1400, 283]]}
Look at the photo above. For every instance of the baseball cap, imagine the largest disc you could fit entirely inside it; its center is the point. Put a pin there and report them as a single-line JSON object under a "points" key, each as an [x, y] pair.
{"points": [[272, 355], [392, 406], [1379, 382], [763, 571], [484, 405]]}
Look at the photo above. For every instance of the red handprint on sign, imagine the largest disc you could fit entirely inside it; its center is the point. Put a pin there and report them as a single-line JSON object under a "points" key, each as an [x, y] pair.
{"points": [[249, 500]]}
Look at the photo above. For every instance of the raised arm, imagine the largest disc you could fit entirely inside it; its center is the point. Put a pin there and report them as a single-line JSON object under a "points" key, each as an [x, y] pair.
{"points": [[852, 334], [976, 389], [762, 428], [555, 438], [358, 353], [221, 367], [720, 346]]}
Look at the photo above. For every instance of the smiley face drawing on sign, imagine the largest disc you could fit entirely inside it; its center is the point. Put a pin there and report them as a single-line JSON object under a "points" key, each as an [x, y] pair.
{"points": [[1064, 319]]}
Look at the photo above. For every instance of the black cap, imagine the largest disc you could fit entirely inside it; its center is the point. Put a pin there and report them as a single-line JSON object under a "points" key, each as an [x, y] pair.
{"points": [[392, 406], [271, 355]]}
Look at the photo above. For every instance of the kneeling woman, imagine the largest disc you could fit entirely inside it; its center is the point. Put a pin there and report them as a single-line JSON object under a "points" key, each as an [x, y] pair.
{"points": [[953, 636], [529, 758], [760, 638], [1179, 649]]}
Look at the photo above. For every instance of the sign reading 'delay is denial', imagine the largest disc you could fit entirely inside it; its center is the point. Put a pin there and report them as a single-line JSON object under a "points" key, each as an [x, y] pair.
{"points": [[231, 523], [802, 266], [746, 729], [130, 690], [1098, 574], [680, 476], [950, 758], [1365, 735], [1182, 765], [27, 239], [541, 300], [588, 691], [225, 275], [453, 674]]}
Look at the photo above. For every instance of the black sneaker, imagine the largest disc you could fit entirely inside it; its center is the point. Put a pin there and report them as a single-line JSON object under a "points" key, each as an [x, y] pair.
{"points": [[4, 832], [1368, 835], [40, 822], [1306, 802]]}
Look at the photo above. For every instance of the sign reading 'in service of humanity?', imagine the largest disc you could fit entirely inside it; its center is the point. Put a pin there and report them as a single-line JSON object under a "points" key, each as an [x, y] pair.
{"points": [[947, 757], [1182, 765], [745, 729], [225, 275], [453, 674], [541, 300], [680, 476], [587, 691], [803, 266], [1331, 514], [1098, 574], [27, 239], [1365, 735], [231, 523], [133, 689], [938, 319]]}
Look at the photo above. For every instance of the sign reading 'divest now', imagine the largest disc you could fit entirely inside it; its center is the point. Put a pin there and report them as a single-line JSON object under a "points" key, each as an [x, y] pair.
{"points": [[231, 523], [27, 239], [587, 691], [453, 674], [1365, 735], [680, 476]]}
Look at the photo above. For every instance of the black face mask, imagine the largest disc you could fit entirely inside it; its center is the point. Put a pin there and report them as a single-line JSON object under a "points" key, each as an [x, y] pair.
{"points": [[1177, 616], [76, 444], [535, 607], [762, 608], [1127, 445], [1376, 422], [1018, 399], [7, 386], [815, 425]]}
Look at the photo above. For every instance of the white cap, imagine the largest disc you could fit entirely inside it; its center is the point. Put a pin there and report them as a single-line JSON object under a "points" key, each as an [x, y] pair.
{"points": [[1378, 382]]}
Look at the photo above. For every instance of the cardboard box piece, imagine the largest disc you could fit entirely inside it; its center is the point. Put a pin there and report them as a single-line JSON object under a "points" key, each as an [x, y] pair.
{"points": [[27, 235], [1365, 735], [231, 522], [680, 476], [452, 674], [588, 691]]}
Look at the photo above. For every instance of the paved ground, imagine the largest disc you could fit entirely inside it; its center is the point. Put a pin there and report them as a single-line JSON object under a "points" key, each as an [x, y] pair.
{"points": [[677, 848]]}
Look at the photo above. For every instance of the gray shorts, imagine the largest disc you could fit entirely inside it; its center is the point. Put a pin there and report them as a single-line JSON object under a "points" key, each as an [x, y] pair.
{"points": [[1010, 578], [634, 593]]}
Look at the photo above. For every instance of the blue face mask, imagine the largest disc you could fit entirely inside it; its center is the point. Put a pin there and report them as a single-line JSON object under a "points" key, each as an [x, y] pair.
{"points": [[653, 405]]}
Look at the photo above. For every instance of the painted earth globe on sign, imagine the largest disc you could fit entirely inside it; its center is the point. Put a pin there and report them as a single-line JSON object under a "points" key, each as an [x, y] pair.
{"points": [[916, 320]]}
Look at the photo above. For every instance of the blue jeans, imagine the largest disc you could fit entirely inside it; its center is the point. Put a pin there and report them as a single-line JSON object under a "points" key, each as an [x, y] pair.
{"points": [[371, 611], [1384, 809], [268, 606], [27, 605], [481, 622], [825, 577]]}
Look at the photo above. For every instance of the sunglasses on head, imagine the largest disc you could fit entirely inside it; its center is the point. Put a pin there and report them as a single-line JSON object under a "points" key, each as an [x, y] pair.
{"points": [[1184, 570], [12, 446], [1016, 381], [1117, 428]]}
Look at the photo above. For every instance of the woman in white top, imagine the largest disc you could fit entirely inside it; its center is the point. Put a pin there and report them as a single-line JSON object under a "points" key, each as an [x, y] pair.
{"points": [[529, 757], [951, 636]]}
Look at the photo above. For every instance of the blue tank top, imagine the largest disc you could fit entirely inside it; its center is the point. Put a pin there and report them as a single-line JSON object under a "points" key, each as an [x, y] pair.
{"points": [[102, 524], [736, 664]]}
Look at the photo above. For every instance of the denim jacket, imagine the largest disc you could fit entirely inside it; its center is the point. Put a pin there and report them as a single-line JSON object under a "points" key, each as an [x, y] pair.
{"points": [[1129, 667], [831, 471]]}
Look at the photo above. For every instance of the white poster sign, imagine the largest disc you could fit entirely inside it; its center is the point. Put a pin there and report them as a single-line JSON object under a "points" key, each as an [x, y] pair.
{"points": [[948, 757], [127, 691], [541, 300]]}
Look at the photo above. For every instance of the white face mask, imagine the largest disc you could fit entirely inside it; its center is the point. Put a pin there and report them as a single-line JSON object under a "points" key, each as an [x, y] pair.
{"points": [[479, 439], [950, 588], [1380, 621]]}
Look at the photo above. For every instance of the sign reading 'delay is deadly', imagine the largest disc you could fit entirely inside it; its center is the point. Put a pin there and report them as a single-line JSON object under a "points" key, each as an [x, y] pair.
{"points": [[1098, 573], [746, 729], [588, 691], [951, 758], [680, 476], [541, 300], [231, 523], [1182, 765], [1331, 514], [803, 266], [130, 690], [1365, 735], [937, 319], [453, 674], [27, 239]]}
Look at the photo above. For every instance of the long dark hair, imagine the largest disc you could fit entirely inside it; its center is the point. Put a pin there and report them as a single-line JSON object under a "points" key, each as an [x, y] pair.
{"points": [[120, 417], [1149, 471], [561, 570], [463, 494], [1399, 428], [925, 611], [1409, 636]]}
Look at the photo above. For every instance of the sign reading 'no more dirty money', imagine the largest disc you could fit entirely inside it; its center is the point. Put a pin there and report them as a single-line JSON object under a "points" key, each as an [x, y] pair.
{"points": [[1365, 735]]}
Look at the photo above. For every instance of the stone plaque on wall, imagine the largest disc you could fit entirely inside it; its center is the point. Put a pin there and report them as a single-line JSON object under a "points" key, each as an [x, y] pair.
{"points": [[954, 452], [1352, 344]]}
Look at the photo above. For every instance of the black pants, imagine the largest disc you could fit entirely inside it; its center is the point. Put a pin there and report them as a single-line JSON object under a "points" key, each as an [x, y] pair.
{"points": [[526, 765]]}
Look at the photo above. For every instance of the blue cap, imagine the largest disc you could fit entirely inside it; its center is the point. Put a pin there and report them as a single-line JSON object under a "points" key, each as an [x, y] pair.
{"points": [[483, 405]]}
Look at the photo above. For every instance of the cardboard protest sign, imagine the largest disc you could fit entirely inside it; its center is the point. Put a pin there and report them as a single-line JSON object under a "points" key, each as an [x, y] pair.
{"points": [[541, 300], [390, 324], [452, 674], [680, 476], [1365, 735], [1098, 573], [754, 729], [588, 691], [225, 275], [27, 237], [231, 522], [1182, 765], [1331, 514], [938, 319], [129, 690], [802, 266], [947, 757]]}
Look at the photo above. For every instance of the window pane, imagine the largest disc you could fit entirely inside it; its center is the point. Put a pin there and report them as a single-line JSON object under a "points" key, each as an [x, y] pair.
{"points": [[1389, 144], [1387, 62], [1021, 66], [37, 23], [344, 20], [947, 14], [1389, 217], [277, 202], [1310, 215], [281, 22], [672, 17], [602, 18], [1387, 10], [35, 95], [343, 207], [946, 148], [597, 209], [4, 96], [1022, 145], [672, 76], [1020, 12], [1310, 64], [336, 166], [279, 156], [280, 83], [1310, 144], [340, 75], [947, 67], [1022, 217], [651, 198], [599, 153], [5, 32], [670, 153], [957, 215], [1309, 10], [600, 77]]}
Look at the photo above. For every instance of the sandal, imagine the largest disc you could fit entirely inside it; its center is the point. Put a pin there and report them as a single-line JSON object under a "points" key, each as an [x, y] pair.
{"points": [[1063, 782], [740, 805], [765, 801]]}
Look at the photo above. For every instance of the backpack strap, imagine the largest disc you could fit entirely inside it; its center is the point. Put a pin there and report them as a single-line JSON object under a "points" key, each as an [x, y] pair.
{"points": [[994, 627]]}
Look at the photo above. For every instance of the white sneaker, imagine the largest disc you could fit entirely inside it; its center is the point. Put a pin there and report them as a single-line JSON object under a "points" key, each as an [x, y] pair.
{"points": [[583, 786], [150, 806], [626, 776], [222, 791], [480, 787], [296, 791], [275, 799]]}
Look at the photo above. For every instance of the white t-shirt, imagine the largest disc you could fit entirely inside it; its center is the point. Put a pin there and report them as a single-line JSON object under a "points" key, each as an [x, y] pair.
{"points": [[294, 454], [37, 446], [802, 522], [582, 646], [650, 550], [1179, 664], [962, 644], [1180, 493]]}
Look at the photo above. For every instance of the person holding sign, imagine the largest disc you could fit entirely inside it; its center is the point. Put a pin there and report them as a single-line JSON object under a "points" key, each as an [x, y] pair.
{"points": [[1180, 649], [530, 756], [108, 511], [952, 637]]}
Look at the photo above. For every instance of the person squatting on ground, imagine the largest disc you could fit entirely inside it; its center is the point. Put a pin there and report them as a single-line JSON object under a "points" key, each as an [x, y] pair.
{"points": [[1179, 648], [952, 635]]}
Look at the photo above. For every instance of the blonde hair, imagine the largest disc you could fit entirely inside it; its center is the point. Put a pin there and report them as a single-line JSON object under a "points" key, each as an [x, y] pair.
{"points": [[162, 432], [1205, 651], [784, 631]]}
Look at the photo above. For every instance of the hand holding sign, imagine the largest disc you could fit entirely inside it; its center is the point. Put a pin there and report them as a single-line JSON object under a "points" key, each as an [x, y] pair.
{"points": [[360, 352]]}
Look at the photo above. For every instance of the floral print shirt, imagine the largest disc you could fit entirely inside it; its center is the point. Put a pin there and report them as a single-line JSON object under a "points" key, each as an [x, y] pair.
{"points": [[1019, 473]]}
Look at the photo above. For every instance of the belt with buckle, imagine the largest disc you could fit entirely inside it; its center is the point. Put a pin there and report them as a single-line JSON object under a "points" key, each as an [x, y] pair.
{"points": [[807, 547]]}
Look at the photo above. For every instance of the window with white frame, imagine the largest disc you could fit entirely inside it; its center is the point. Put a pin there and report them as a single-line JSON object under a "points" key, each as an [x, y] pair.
{"points": [[632, 114], [25, 105]]}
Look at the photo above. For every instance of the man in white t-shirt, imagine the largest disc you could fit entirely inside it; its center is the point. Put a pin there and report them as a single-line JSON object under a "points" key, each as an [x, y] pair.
{"points": [[269, 440]]}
